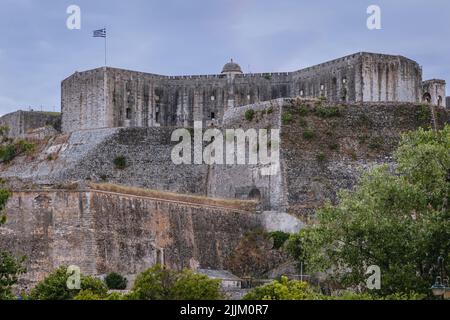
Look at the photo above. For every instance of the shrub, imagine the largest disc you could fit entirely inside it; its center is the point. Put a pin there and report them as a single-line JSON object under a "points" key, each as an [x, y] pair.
{"points": [[321, 157], [11, 150], [115, 281], [303, 111], [333, 146], [120, 162], [249, 115], [286, 118], [279, 238], [328, 112], [270, 110], [54, 287], [159, 283], [268, 76], [308, 134]]}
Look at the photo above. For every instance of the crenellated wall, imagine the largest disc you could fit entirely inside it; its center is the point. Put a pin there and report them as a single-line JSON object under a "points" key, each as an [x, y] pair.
{"points": [[110, 97]]}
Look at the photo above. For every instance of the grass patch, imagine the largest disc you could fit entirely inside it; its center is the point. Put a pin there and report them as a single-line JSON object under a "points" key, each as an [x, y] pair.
{"points": [[328, 112], [286, 118]]}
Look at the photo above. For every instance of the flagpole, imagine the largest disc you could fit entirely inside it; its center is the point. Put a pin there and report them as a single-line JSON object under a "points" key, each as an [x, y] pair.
{"points": [[105, 49]]}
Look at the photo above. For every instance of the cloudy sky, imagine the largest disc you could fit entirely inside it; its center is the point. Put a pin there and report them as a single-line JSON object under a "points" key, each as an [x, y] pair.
{"points": [[175, 37]]}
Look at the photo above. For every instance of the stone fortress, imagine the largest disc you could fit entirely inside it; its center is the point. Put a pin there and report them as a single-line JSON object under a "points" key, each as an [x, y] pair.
{"points": [[72, 205], [109, 97]]}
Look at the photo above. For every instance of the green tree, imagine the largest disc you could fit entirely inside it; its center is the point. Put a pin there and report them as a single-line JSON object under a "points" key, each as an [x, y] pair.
{"points": [[396, 219], [54, 287], [159, 283], [10, 267], [284, 290]]}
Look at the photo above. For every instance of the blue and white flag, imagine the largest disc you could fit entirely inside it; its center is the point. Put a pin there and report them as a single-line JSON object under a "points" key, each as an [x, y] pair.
{"points": [[100, 33]]}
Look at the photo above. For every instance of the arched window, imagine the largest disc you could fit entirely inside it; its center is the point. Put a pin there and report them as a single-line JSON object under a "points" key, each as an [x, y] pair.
{"points": [[426, 97], [128, 113], [439, 101]]}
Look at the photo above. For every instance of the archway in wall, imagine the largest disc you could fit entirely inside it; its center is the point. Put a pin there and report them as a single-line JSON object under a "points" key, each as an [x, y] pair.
{"points": [[426, 97], [254, 194]]}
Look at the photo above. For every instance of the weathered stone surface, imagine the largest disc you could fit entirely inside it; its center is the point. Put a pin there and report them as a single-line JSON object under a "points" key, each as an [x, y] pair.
{"points": [[103, 231], [21, 123], [110, 97]]}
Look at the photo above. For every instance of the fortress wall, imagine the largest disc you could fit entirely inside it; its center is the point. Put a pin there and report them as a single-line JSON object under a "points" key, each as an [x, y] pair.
{"points": [[436, 90], [342, 147], [102, 232], [22, 122], [390, 78], [247, 181], [83, 101], [148, 156], [339, 80]]}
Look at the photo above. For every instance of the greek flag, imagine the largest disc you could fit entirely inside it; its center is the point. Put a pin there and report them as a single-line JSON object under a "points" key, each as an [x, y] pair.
{"points": [[100, 33]]}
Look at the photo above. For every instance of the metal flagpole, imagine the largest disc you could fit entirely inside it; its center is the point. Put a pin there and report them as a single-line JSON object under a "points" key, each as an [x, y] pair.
{"points": [[105, 47]]}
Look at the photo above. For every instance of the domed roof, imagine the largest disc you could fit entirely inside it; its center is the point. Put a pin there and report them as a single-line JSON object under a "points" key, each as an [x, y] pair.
{"points": [[232, 67]]}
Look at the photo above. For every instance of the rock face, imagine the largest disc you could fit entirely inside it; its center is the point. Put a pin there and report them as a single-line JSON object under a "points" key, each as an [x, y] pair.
{"points": [[123, 231]]}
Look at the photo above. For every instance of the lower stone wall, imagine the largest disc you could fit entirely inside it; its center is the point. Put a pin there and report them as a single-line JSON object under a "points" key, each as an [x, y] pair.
{"points": [[102, 231], [22, 122]]}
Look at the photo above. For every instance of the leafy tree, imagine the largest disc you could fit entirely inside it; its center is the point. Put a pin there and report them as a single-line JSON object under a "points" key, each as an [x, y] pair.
{"points": [[54, 287], [284, 290], [159, 283], [191, 286], [115, 281], [396, 219], [10, 267]]}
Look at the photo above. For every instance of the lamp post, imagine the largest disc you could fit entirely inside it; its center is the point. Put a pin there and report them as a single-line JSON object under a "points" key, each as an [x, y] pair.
{"points": [[441, 287]]}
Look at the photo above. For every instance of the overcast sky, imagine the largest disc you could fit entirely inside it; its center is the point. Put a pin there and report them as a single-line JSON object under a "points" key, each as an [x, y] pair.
{"points": [[176, 37]]}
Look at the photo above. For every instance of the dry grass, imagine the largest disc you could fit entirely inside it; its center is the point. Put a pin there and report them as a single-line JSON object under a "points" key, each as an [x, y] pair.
{"points": [[244, 205]]}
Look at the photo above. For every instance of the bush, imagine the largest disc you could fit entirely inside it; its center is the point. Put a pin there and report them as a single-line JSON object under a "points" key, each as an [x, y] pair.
{"points": [[283, 290], [286, 118], [279, 238], [308, 134], [249, 115], [54, 287], [115, 281], [303, 111], [11, 150], [159, 283], [328, 112], [120, 162], [321, 157]]}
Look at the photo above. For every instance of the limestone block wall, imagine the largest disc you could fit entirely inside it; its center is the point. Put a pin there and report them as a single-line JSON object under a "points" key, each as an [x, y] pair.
{"points": [[110, 97], [20, 123], [390, 78], [338, 80], [102, 231], [83, 104]]}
